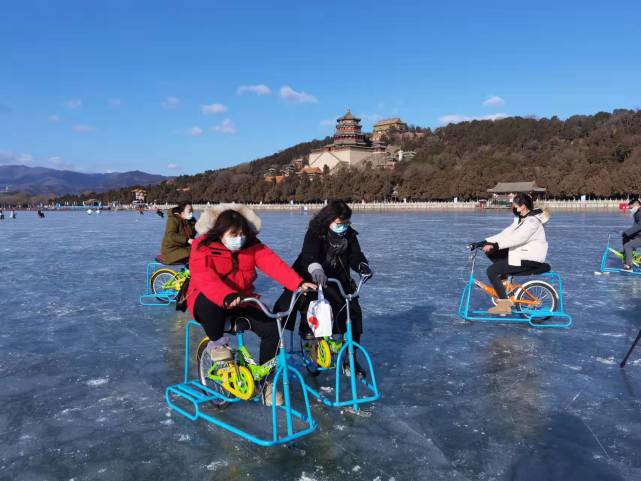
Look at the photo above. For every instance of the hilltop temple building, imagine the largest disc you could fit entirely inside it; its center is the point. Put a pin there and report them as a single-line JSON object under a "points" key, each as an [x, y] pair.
{"points": [[351, 147], [386, 126]]}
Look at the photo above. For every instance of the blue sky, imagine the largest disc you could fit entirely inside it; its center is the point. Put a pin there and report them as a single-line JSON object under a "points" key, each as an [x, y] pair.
{"points": [[158, 86]]}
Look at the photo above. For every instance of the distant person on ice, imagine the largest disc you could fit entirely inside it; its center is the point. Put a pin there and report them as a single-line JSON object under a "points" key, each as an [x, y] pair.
{"points": [[1, 215], [330, 250], [519, 249], [179, 234], [631, 237]]}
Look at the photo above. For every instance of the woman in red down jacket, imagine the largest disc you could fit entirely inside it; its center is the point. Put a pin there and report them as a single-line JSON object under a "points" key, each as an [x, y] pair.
{"points": [[222, 265]]}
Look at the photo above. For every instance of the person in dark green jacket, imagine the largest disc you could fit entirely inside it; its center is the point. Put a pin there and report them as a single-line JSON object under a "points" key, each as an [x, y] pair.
{"points": [[179, 234]]}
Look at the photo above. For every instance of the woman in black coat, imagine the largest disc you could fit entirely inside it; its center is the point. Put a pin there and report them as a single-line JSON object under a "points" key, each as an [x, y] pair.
{"points": [[330, 249]]}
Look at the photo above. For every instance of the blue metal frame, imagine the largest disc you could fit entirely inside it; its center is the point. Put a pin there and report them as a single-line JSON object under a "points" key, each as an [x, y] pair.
{"points": [[636, 271], [197, 394], [350, 346], [523, 315], [149, 298]]}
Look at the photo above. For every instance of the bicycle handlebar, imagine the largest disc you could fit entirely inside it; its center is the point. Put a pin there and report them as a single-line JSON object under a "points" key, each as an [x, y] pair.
{"points": [[274, 315], [361, 281], [476, 245]]}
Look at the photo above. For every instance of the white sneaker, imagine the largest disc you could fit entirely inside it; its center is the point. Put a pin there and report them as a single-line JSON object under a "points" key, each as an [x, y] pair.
{"points": [[267, 395], [218, 353]]}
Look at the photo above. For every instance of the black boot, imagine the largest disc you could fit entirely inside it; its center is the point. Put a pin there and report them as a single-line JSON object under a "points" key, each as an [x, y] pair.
{"points": [[360, 372]]}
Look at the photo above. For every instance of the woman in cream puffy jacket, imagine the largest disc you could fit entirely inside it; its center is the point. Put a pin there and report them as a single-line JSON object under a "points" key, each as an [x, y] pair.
{"points": [[517, 250]]}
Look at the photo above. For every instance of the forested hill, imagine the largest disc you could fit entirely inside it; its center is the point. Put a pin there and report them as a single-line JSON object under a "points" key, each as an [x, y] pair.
{"points": [[597, 155]]}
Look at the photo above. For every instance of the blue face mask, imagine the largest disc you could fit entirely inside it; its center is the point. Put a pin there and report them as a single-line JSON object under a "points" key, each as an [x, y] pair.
{"points": [[339, 229], [234, 243]]}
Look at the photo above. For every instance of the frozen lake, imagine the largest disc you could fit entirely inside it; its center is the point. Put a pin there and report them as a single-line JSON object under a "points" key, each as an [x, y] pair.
{"points": [[84, 368]]}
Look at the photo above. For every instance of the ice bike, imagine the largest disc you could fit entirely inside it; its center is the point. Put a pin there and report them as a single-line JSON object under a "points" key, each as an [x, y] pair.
{"points": [[163, 283], [538, 302], [328, 354], [218, 386], [610, 251]]}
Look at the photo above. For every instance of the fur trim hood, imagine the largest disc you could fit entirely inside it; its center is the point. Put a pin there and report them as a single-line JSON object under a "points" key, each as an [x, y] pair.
{"points": [[208, 217], [543, 215]]}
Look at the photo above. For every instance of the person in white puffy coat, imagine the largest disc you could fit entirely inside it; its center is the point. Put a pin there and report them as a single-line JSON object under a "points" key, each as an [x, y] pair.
{"points": [[519, 249]]}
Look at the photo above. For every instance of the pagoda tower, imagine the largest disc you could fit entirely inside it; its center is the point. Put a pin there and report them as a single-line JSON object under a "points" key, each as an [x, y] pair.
{"points": [[348, 131]]}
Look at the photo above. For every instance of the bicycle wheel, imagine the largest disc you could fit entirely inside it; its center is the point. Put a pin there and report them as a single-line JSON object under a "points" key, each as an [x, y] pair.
{"points": [[539, 296], [204, 362], [163, 284], [316, 354]]}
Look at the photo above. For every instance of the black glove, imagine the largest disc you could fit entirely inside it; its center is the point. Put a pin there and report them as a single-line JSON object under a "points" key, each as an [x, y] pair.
{"points": [[229, 298], [364, 270]]}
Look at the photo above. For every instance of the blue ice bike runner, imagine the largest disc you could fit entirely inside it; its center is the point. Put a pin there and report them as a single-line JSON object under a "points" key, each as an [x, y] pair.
{"points": [[609, 253], [198, 396], [537, 302], [163, 283], [361, 389]]}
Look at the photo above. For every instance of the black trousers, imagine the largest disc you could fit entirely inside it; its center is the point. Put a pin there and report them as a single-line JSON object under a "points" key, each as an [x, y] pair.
{"points": [[338, 309], [212, 317], [500, 269]]}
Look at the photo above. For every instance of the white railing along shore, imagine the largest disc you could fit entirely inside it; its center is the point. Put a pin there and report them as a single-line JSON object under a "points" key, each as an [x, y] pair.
{"points": [[608, 204]]}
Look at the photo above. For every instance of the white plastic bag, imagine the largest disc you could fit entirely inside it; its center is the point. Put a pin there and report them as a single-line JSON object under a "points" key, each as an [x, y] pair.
{"points": [[319, 316]]}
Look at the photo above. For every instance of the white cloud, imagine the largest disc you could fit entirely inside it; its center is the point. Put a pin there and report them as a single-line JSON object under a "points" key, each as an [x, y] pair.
{"points": [[195, 131], [172, 166], [455, 118], [73, 104], [83, 128], [11, 158], [328, 122], [54, 162], [54, 119], [58, 162], [213, 109], [290, 95], [494, 101], [225, 127], [115, 102], [170, 103], [260, 89]]}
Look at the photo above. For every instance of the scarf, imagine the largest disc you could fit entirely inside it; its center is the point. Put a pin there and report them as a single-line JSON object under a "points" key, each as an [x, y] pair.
{"points": [[337, 246]]}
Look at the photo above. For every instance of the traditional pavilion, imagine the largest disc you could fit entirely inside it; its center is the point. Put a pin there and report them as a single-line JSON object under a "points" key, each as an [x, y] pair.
{"points": [[504, 192], [350, 148], [507, 188]]}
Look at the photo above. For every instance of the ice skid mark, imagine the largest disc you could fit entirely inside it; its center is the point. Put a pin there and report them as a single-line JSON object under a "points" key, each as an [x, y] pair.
{"points": [[305, 477], [214, 465], [609, 361], [97, 382]]}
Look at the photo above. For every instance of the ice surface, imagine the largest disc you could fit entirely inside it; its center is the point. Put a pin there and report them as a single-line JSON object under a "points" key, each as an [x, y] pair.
{"points": [[84, 367]]}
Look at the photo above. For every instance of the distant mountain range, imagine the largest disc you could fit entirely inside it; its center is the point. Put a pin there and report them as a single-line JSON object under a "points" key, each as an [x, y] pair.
{"points": [[44, 181]]}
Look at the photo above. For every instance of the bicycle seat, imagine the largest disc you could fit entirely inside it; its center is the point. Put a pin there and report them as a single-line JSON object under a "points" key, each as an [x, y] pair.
{"points": [[535, 271], [160, 259], [235, 325]]}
